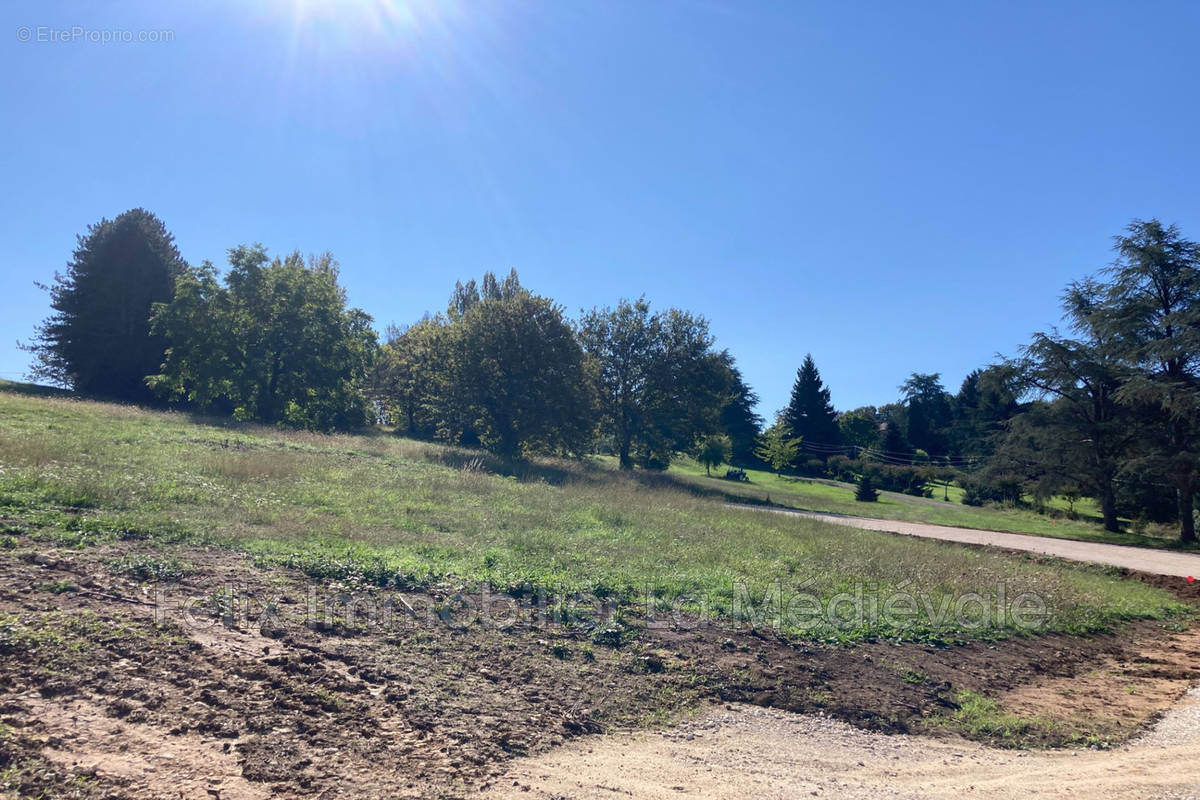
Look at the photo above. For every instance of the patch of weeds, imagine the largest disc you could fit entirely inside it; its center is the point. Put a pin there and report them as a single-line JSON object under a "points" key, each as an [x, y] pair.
{"points": [[326, 700], [58, 587], [980, 717], [614, 635], [353, 569], [52, 638], [149, 568], [7, 542], [14, 636]]}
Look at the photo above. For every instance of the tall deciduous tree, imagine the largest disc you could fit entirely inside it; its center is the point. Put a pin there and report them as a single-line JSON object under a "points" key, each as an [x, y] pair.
{"points": [[98, 339], [859, 429], [275, 344], [410, 376], [517, 371], [810, 414], [713, 451], [660, 384]]}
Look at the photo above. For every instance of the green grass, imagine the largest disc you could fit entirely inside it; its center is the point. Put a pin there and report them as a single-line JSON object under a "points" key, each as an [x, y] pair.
{"points": [[814, 495], [980, 717], [386, 510]]}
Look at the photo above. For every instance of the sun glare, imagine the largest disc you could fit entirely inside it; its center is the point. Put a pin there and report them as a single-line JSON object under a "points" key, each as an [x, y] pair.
{"points": [[356, 22]]}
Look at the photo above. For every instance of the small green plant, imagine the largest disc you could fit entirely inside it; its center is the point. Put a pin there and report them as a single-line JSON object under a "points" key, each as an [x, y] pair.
{"points": [[979, 716], [866, 491], [149, 568]]}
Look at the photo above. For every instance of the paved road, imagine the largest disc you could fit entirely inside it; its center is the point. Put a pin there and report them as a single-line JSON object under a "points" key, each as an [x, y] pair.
{"points": [[1159, 562]]}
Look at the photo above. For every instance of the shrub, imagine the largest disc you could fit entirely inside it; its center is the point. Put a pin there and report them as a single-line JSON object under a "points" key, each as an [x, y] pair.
{"points": [[813, 467], [841, 468], [866, 491], [1001, 489]]}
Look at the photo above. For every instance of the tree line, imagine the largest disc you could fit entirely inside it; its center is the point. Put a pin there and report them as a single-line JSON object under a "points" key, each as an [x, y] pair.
{"points": [[274, 340], [1110, 409]]}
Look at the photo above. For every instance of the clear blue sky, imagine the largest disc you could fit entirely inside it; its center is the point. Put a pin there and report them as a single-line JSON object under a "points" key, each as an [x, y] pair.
{"points": [[893, 186]]}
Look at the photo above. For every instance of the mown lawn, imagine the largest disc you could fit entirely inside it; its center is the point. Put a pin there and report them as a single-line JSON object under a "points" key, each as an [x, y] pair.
{"points": [[407, 513], [813, 495]]}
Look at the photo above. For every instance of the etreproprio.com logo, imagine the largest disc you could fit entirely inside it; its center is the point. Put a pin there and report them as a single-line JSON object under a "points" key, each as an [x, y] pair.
{"points": [[81, 34]]}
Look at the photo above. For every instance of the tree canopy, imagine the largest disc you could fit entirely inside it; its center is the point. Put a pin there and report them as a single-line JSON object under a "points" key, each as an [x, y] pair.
{"points": [[98, 340], [276, 343], [660, 384]]}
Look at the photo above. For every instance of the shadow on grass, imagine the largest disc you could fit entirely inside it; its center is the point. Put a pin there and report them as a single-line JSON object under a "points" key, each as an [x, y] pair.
{"points": [[554, 471]]}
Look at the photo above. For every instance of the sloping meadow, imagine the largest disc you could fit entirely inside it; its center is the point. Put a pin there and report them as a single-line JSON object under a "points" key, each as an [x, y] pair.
{"points": [[583, 543]]}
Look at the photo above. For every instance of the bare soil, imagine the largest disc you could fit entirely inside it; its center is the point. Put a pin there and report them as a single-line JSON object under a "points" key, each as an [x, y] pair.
{"points": [[737, 752], [111, 690]]}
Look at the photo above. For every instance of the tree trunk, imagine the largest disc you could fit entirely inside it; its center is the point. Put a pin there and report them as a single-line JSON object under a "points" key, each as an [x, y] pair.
{"points": [[623, 448], [1187, 523], [1108, 507]]}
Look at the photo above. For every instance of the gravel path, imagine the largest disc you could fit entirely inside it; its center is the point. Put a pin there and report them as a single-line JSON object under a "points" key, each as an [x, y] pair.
{"points": [[749, 752], [1159, 562]]}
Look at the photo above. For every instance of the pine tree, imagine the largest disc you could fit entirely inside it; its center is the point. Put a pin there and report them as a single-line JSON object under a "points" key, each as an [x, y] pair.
{"points": [[866, 492], [738, 419], [810, 414], [98, 339]]}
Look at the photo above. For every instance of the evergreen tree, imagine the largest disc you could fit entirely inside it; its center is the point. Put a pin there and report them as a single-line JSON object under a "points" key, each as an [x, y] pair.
{"points": [[1082, 436], [929, 412], [1150, 310], [891, 439], [98, 340], [810, 414], [866, 492], [987, 399], [738, 419]]}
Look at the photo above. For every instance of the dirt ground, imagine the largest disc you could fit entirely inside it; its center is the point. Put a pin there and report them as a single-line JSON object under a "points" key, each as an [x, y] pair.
{"points": [[740, 751], [240, 680]]}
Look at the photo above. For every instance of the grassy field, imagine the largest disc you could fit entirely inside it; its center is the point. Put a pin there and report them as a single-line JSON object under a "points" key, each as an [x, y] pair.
{"points": [[398, 512], [813, 495]]}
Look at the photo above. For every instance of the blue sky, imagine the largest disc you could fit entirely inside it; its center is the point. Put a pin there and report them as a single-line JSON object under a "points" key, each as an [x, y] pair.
{"points": [[895, 187]]}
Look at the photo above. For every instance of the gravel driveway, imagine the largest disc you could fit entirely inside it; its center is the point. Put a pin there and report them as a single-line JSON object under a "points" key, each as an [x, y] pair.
{"points": [[1158, 562], [738, 752]]}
